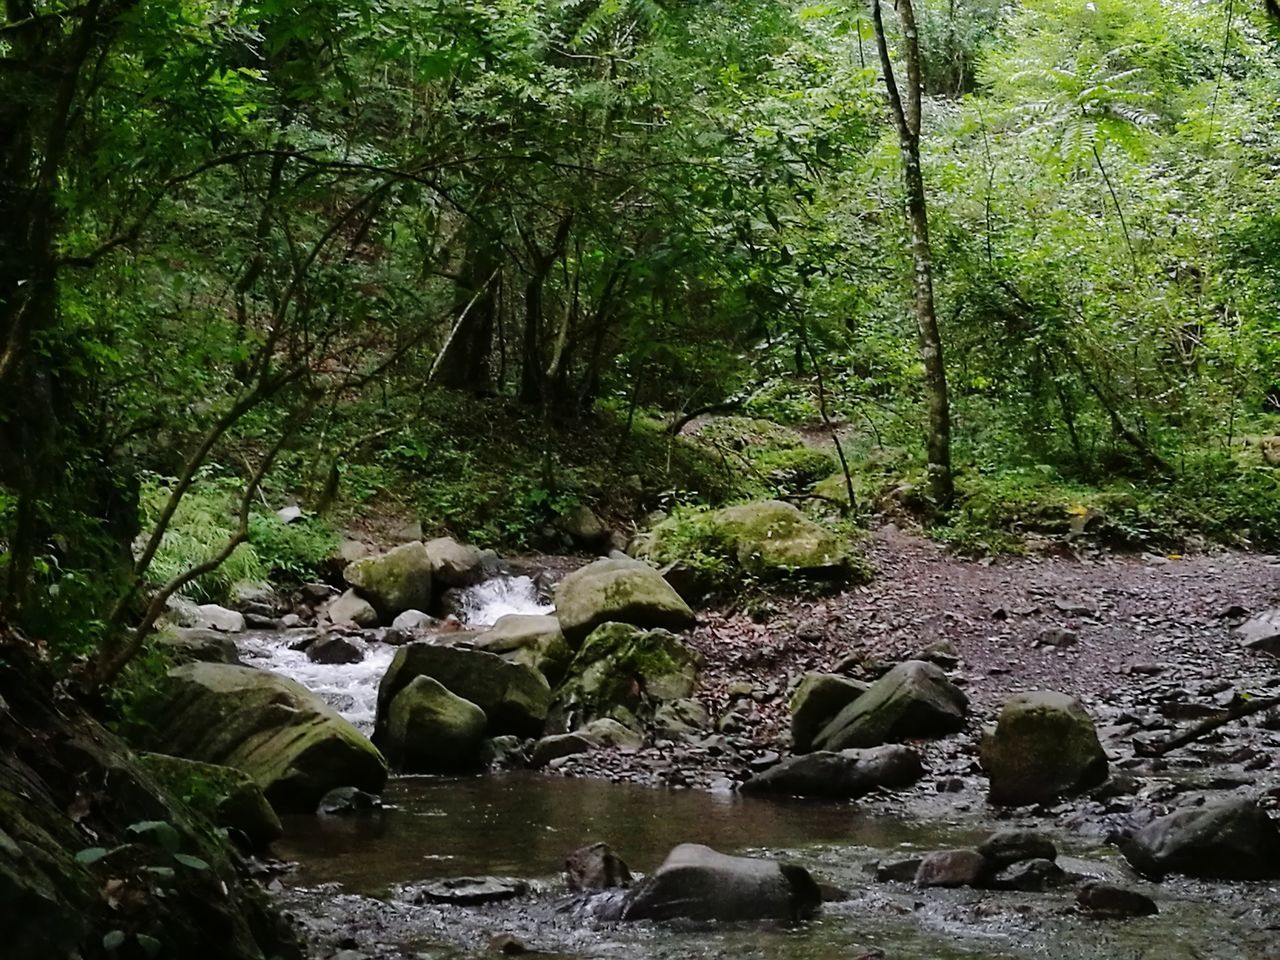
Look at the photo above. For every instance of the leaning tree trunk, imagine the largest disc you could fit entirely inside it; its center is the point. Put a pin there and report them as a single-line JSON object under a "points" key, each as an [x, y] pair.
{"points": [[906, 118]]}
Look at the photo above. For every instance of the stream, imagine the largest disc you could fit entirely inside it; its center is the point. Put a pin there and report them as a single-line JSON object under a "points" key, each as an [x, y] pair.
{"points": [[351, 883]]}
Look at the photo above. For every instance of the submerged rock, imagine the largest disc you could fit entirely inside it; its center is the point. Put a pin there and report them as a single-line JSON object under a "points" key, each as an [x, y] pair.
{"points": [[1044, 746], [1111, 900], [470, 891], [275, 730], [839, 776], [1029, 876], [347, 802], [395, 581], [595, 867], [1232, 840], [697, 883], [618, 591], [914, 699], [432, 730], [818, 698], [334, 648]]}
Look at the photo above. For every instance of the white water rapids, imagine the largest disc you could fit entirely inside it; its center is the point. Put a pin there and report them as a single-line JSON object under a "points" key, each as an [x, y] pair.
{"points": [[352, 688]]}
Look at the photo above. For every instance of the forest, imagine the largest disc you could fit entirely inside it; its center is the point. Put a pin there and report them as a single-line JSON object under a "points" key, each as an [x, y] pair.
{"points": [[885, 332]]}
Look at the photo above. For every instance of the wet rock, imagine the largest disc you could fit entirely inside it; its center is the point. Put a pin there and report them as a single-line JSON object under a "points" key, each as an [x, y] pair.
{"points": [[352, 608], [1029, 876], [559, 745], [840, 776], [314, 594], [618, 591], [395, 581], [335, 648], [595, 867], [1262, 632], [411, 620], [508, 945], [818, 698], [914, 699], [1232, 840], [211, 616], [455, 564], [191, 643], [283, 736], [532, 639], [348, 801], [429, 729], [228, 797], [953, 868], [897, 871], [513, 696], [607, 732], [1005, 847], [1111, 900], [697, 883], [470, 891], [502, 753], [1044, 746]]}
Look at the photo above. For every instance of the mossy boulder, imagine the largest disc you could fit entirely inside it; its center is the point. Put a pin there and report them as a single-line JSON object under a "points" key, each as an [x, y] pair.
{"points": [[914, 699], [431, 730], [275, 730], [818, 698], [1044, 746], [532, 639], [228, 797], [625, 674], [514, 696], [395, 581], [618, 590]]}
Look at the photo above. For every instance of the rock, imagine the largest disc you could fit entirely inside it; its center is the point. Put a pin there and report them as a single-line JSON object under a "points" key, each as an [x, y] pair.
{"points": [[1005, 847], [347, 801], [681, 719], [818, 698], [839, 776], [192, 643], [410, 620], [210, 616], [1029, 876], [532, 639], [470, 891], [502, 753], [625, 673], [455, 564], [1110, 900], [1044, 746], [334, 648], [1262, 632], [1056, 637], [953, 868], [514, 697], [607, 732], [429, 729], [1231, 840], [314, 594], [509, 945], [584, 528], [617, 591], [395, 581], [225, 795], [352, 608], [595, 867], [697, 883], [286, 738], [914, 699], [557, 746], [256, 592], [898, 871]]}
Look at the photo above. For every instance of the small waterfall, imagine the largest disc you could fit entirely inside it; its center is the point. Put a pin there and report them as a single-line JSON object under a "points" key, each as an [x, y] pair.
{"points": [[484, 603]]}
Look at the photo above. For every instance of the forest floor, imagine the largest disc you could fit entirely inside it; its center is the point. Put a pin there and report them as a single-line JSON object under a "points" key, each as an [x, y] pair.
{"points": [[1144, 642]]}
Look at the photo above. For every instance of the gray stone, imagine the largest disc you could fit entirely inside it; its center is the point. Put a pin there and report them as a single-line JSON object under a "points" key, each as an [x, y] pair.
{"points": [[818, 698], [912, 700], [557, 746], [471, 891], [532, 639], [334, 648], [1231, 840], [348, 801], [502, 753], [1005, 847], [618, 591], [354, 609], [839, 776], [411, 620], [1110, 900], [1029, 876], [681, 719], [596, 867], [211, 616], [1262, 632], [191, 643], [1044, 746], [455, 564], [584, 528], [607, 732], [953, 868]]}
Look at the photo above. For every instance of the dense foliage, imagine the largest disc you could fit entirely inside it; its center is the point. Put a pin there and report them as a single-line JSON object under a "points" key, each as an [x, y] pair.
{"points": [[474, 262]]}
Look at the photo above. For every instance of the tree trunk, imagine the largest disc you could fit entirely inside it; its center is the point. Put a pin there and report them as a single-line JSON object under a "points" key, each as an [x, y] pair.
{"points": [[464, 363], [906, 118]]}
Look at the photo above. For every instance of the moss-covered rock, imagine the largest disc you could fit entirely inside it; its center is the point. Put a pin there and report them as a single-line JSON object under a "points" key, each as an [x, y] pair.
{"points": [[431, 730], [618, 591], [226, 796], [395, 581], [1044, 746], [818, 698], [624, 673], [279, 733], [914, 699], [532, 639], [513, 696]]}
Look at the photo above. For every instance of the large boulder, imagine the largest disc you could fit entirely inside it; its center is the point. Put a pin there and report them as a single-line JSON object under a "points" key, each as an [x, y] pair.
{"points": [[618, 590], [283, 736], [431, 730], [1233, 840], [839, 776], [455, 564], [395, 581], [914, 699], [226, 796], [772, 538], [194, 643], [818, 698], [624, 673], [532, 639], [513, 696], [1044, 746], [697, 883], [211, 616]]}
